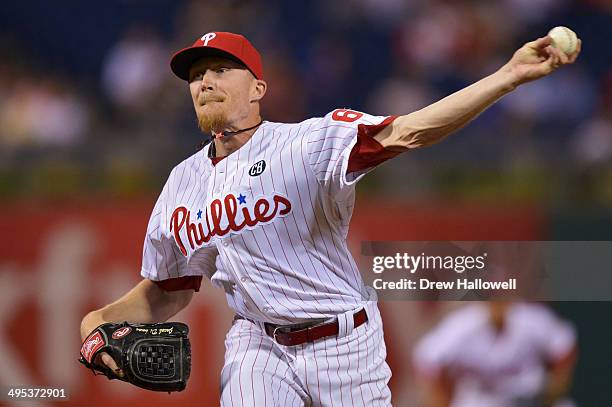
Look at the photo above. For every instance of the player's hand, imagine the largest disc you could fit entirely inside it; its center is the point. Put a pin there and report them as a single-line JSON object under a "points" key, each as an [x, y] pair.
{"points": [[104, 359], [536, 59], [89, 323]]}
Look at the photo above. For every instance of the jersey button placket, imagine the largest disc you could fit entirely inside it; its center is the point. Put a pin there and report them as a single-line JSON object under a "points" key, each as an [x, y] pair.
{"points": [[221, 166]]}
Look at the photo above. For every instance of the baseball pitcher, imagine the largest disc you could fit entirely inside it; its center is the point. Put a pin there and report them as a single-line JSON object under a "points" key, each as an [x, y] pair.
{"points": [[263, 212]]}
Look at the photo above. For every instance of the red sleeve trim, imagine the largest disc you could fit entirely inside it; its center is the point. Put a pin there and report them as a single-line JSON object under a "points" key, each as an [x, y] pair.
{"points": [[565, 361], [367, 152], [180, 283]]}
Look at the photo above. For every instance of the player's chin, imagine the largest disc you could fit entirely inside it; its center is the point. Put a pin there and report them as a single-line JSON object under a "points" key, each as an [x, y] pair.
{"points": [[211, 115], [212, 121], [211, 109]]}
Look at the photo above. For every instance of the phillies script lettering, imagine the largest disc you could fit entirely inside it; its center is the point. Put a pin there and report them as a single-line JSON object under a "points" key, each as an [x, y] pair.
{"points": [[223, 217]]}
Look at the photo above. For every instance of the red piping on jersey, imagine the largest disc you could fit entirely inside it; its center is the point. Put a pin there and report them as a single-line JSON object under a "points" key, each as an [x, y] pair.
{"points": [[368, 152], [216, 160], [180, 283]]}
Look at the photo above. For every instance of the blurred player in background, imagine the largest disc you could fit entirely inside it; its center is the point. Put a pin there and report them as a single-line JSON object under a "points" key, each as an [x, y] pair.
{"points": [[497, 354]]}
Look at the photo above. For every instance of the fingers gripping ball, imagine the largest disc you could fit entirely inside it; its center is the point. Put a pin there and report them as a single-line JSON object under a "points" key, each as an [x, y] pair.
{"points": [[564, 39], [152, 356]]}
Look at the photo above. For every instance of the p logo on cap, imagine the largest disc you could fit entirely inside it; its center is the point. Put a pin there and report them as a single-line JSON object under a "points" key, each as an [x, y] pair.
{"points": [[207, 37], [218, 44]]}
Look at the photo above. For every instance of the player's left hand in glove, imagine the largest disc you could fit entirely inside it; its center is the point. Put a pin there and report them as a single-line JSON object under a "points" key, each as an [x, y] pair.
{"points": [[152, 356]]}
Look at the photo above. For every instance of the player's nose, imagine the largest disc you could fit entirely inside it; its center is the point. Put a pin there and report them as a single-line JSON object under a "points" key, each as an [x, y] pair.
{"points": [[207, 81]]}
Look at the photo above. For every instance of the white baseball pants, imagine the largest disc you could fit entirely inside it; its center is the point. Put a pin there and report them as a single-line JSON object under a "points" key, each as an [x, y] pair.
{"points": [[348, 370]]}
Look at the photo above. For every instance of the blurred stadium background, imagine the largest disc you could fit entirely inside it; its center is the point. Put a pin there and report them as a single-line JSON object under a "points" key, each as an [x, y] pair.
{"points": [[92, 121]]}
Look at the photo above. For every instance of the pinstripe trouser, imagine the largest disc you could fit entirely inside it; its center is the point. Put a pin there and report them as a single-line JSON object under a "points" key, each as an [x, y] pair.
{"points": [[347, 370]]}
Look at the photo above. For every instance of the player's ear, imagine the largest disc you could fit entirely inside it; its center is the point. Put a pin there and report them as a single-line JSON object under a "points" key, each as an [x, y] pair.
{"points": [[258, 90]]}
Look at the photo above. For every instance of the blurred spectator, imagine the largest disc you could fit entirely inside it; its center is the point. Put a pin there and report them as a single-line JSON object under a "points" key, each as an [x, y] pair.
{"points": [[430, 39], [447, 37], [385, 11], [384, 57], [285, 99], [533, 11], [398, 95], [134, 70], [42, 112], [328, 73], [565, 98], [243, 17], [592, 143], [497, 354], [604, 5]]}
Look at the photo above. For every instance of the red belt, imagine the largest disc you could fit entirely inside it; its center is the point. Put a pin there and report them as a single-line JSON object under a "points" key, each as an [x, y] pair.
{"points": [[285, 335]]}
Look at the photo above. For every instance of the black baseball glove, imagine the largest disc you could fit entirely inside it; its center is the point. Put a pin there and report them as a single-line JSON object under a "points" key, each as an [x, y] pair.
{"points": [[152, 356]]}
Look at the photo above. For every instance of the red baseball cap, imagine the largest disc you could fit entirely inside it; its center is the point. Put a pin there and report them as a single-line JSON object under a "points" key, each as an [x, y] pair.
{"points": [[224, 44]]}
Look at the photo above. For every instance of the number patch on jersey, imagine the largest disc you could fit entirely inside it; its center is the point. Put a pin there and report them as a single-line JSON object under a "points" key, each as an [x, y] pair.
{"points": [[258, 168], [346, 115]]}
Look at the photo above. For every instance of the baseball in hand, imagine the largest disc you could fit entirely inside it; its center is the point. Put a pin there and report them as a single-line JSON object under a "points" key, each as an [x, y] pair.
{"points": [[564, 39]]}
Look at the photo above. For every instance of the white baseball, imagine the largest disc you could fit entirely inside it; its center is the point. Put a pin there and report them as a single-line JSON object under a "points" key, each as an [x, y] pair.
{"points": [[564, 39]]}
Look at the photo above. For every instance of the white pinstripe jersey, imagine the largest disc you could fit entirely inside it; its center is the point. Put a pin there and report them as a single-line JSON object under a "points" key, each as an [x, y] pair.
{"points": [[268, 223]]}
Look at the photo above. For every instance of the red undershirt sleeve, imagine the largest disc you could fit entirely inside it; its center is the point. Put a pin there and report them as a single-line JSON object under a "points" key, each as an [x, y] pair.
{"points": [[367, 152], [180, 283]]}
